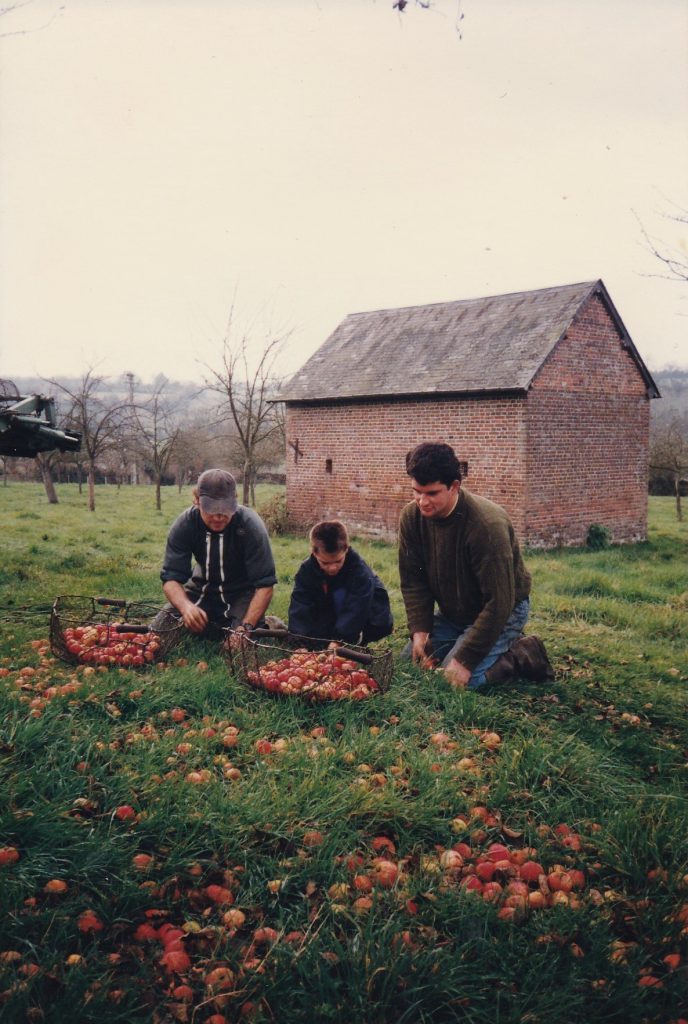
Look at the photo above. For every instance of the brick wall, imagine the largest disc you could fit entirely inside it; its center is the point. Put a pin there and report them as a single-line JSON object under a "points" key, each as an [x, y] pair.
{"points": [[367, 442], [588, 434], [571, 452]]}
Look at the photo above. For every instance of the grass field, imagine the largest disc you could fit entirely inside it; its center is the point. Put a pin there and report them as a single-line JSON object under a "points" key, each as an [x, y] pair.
{"points": [[325, 879]]}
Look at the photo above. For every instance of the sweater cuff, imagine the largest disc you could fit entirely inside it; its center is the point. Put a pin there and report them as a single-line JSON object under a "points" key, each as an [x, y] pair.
{"points": [[420, 627]]}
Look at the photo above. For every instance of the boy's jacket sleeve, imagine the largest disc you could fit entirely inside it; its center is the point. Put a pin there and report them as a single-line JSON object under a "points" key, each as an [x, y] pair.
{"points": [[303, 596]]}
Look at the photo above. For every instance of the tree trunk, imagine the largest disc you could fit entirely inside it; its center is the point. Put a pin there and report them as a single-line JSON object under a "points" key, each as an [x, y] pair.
{"points": [[4, 472], [247, 482], [48, 482], [679, 510], [91, 476], [158, 502]]}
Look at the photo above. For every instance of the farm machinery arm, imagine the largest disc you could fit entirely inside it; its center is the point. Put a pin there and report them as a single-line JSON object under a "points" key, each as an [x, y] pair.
{"points": [[27, 425]]}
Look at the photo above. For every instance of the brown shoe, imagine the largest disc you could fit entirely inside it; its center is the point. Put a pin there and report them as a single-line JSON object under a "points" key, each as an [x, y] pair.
{"points": [[503, 670], [531, 659]]}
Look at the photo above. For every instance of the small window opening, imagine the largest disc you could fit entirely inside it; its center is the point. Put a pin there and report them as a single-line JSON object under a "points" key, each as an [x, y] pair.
{"points": [[328, 465]]}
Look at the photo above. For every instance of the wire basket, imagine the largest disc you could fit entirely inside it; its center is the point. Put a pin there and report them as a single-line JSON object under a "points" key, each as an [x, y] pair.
{"points": [[313, 670], [109, 631]]}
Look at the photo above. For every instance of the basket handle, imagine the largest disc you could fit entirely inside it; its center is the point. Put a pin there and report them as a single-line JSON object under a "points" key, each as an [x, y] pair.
{"points": [[113, 601], [360, 656], [344, 652], [125, 627]]}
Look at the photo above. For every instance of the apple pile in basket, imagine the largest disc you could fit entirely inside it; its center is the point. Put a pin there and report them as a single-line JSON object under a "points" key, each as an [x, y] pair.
{"points": [[305, 667], [111, 644], [314, 675]]}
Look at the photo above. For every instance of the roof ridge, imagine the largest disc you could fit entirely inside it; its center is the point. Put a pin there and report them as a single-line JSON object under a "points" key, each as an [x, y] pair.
{"points": [[476, 298]]}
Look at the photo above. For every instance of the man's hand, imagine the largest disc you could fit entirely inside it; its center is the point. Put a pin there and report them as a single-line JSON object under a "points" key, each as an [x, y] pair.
{"points": [[419, 654], [194, 618], [457, 674]]}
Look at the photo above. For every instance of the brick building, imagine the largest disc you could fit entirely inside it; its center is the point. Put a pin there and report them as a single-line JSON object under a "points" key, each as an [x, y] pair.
{"points": [[542, 394]]}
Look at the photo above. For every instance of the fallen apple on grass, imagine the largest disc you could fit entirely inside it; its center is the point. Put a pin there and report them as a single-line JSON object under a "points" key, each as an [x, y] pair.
{"points": [[8, 855]]}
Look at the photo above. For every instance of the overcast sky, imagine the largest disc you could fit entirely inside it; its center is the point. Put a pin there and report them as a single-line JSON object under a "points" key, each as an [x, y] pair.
{"points": [[323, 157]]}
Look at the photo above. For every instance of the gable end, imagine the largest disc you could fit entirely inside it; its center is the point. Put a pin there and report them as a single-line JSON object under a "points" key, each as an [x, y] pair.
{"points": [[598, 291]]}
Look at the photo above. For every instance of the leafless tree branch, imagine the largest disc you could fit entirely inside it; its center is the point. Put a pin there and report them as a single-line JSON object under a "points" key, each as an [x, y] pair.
{"points": [[674, 260], [245, 386]]}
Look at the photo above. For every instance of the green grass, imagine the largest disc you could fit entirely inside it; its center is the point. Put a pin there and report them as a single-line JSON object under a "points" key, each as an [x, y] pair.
{"points": [[603, 749]]}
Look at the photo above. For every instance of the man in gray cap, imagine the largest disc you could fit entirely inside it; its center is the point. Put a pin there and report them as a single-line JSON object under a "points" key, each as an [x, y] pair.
{"points": [[234, 572]]}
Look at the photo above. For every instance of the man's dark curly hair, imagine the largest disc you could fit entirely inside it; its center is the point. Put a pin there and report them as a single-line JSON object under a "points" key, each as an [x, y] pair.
{"points": [[431, 462]]}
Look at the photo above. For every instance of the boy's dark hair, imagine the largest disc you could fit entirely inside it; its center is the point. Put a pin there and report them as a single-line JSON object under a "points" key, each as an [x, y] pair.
{"points": [[330, 535], [431, 462]]}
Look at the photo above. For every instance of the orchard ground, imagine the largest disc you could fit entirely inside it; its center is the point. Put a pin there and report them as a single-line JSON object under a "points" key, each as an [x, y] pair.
{"points": [[176, 846]]}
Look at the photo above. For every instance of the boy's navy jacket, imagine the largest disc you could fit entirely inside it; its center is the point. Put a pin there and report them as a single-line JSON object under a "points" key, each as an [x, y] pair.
{"points": [[340, 607]]}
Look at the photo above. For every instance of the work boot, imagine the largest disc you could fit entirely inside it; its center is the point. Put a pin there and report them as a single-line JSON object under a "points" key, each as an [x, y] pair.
{"points": [[503, 670], [531, 659], [274, 622]]}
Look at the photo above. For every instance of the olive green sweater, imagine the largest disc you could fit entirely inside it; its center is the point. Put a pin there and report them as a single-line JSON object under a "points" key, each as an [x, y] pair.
{"points": [[469, 564]]}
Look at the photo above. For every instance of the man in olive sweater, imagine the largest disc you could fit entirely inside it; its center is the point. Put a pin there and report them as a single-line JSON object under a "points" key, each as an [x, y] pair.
{"points": [[458, 551]]}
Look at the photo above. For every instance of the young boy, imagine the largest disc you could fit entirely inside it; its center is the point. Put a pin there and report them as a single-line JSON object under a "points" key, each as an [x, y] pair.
{"points": [[336, 595]]}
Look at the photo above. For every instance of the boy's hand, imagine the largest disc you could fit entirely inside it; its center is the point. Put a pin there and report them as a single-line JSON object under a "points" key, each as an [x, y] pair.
{"points": [[235, 640], [238, 636]]}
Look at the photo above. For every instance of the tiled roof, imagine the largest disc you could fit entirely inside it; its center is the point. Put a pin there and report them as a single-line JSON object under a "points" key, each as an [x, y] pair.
{"points": [[472, 345]]}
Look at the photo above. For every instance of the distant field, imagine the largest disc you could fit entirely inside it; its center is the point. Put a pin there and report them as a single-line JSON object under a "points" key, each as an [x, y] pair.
{"points": [[168, 868]]}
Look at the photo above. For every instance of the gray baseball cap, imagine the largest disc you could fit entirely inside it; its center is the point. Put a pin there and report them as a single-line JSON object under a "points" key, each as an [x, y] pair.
{"points": [[217, 492]]}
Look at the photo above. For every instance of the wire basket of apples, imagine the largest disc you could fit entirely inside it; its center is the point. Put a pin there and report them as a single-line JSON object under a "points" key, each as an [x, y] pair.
{"points": [[310, 669], [108, 631]]}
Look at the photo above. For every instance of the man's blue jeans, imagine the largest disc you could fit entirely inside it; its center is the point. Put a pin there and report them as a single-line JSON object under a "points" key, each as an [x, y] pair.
{"points": [[446, 639]]}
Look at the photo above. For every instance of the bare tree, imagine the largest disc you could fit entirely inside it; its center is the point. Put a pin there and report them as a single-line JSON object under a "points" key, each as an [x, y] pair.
{"points": [[190, 451], [279, 413], [48, 460], [669, 453], [97, 420], [157, 431], [17, 6], [429, 5], [674, 260], [45, 461], [245, 393]]}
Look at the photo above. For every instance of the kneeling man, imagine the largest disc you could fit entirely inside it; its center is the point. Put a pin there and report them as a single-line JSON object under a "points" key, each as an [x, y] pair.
{"points": [[233, 573], [458, 551]]}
